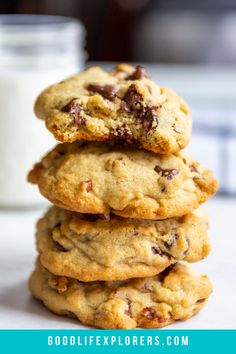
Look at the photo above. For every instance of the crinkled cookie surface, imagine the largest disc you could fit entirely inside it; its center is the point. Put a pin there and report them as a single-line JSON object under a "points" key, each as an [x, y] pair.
{"points": [[99, 178]]}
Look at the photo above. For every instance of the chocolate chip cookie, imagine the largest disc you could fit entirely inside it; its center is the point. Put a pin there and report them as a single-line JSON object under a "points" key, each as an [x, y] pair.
{"points": [[89, 248], [175, 294], [124, 105], [98, 178]]}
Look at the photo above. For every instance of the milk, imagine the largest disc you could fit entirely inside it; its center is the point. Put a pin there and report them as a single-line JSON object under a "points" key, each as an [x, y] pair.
{"points": [[23, 137], [35, 51]]}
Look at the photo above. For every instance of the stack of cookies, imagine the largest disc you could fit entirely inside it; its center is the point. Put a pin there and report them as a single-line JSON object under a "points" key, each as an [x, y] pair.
{"points": [[115, 247]]}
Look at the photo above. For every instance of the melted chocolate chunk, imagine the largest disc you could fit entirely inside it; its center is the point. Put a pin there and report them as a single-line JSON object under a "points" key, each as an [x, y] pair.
{"points": [[106, 91], [122, 134], [133, 100], [138, 74], [168, 173], [149, 119], [133, 103], [74, 109], [156, 250]]}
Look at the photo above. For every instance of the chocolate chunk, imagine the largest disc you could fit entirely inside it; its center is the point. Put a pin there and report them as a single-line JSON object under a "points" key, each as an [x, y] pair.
{"points": [[107, 91], [122, 134], [138, 74], [168, 244], [156, 250], [133, 103], [128, 311], [58, 246], [89, 185], [75, 109], [133, 100], [149, 119], [168, 173]]}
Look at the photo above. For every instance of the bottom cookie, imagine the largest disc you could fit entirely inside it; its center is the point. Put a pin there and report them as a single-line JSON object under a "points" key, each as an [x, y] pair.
{"points": [[175, 294]]}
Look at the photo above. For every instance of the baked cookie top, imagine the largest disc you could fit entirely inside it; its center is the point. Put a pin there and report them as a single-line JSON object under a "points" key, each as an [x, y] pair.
{"points": [[124, 104], [175, 294], [99, 178], [89, 248]]}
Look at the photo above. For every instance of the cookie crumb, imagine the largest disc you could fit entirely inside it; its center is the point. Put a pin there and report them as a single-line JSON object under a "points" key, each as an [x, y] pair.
{"points": [[168, 173]]}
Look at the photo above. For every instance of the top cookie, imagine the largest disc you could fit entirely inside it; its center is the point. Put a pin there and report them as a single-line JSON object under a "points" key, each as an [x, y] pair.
{"points": [[124, 105]]}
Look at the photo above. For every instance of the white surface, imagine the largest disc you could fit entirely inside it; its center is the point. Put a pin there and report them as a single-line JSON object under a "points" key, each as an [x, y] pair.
{"points": [[19, 310]]}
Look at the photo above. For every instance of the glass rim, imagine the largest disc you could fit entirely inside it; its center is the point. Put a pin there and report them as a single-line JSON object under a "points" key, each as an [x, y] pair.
{"points": [[26, 21]]}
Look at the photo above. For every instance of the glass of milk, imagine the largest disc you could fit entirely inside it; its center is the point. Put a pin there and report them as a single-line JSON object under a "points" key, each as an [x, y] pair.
{"points": [[35, 51]]}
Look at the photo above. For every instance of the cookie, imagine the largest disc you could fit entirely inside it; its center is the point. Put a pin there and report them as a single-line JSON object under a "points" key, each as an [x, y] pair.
{"points": [[88, 248], [124, 105], [175, 294], [99, 178]]}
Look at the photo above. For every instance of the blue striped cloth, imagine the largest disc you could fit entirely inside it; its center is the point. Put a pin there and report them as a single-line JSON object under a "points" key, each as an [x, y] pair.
{"points": [[213, 143]]}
